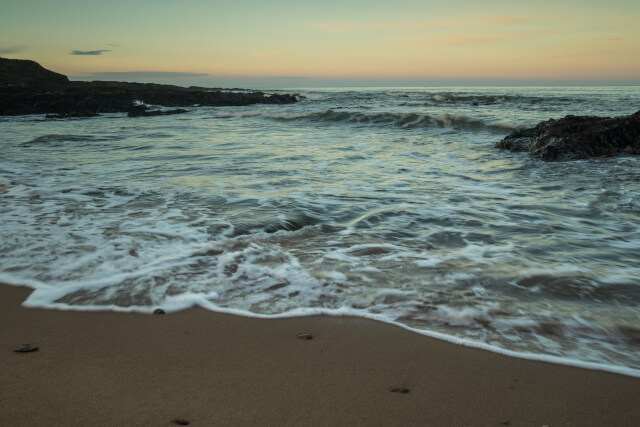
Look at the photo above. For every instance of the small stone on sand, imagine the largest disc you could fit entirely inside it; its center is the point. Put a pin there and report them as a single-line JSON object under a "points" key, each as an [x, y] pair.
{"points": [[158, 311], [305, 336], [26, 348], [402, 390], [181, 422]]}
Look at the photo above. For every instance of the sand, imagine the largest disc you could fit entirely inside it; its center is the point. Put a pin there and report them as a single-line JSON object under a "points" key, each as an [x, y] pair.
{"points": [[101, 368]]}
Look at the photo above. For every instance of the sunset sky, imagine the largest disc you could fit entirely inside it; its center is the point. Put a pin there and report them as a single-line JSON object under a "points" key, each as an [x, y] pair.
{"points": [[293, 43]]}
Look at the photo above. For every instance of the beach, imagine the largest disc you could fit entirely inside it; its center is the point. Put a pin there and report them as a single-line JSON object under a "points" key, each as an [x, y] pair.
{"points": [[354, 214], [106, 368]]}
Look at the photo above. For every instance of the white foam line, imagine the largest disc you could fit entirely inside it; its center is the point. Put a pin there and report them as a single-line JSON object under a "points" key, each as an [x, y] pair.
{"points": [[10, 279], [189, 300]]}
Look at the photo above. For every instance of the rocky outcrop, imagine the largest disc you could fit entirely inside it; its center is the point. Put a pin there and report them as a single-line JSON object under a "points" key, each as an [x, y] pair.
{"points": [[27, 88], [578, 137]]}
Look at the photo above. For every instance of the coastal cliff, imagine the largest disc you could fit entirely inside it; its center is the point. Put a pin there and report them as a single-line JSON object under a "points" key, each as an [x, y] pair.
{"points": [[28, 88]]}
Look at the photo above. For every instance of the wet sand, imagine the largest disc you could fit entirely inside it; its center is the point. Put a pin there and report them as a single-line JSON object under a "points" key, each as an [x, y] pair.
{"points": [[99, 368]]}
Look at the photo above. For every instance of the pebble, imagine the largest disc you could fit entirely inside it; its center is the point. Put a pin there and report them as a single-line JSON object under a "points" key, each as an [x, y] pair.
{"points": [[26, 348], [305, 336], [402, 390], [158, 311], [181, 422]]}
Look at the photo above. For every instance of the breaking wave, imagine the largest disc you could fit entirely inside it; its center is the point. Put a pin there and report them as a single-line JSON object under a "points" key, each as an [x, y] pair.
{"points": [[382, 118]]}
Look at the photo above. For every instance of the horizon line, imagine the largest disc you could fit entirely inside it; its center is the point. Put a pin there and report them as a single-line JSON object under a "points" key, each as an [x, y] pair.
{"points": [[200, 79]]}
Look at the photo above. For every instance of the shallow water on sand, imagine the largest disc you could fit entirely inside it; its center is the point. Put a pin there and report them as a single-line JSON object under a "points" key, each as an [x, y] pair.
{"points": [[384, 203]]}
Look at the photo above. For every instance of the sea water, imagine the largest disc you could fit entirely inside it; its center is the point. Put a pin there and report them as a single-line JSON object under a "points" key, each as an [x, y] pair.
{"points": [[391, 204]]}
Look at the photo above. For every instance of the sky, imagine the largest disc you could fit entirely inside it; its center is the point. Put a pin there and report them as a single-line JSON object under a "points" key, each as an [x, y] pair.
{"points": [[283, 43]]}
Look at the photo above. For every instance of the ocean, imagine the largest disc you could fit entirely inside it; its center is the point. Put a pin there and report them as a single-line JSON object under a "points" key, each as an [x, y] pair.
{"points": [[386, 203]]}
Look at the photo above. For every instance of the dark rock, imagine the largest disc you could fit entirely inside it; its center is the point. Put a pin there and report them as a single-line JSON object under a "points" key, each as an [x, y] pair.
{"points": [[158, 311], [305, 336], [72, 114], [578, 137], [181, 422], [140, 111], [26, 348], [27, 88], [402, 390]]}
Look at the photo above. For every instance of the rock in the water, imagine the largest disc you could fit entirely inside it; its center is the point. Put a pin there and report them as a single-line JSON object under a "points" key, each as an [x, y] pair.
{"points": [[71, 115], [141, 111], [26, 348], [158, 311], [578, 137]]}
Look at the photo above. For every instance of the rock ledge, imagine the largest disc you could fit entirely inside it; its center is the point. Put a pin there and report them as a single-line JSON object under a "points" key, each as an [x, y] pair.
{"points": [[28, 88]]}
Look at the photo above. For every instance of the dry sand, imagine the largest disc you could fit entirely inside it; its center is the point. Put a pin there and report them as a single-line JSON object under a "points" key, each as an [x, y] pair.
{"points": [[99, 368]]}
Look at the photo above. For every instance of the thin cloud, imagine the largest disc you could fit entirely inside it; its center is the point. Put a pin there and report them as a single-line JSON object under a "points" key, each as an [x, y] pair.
{"points": [[464, 22], [341, 27], [89, 52], [473, 39], [113, 44], [7, 50]]}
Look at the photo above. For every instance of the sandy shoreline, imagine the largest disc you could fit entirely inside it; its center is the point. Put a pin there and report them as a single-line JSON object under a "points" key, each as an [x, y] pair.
{"points": [[96, 368]]}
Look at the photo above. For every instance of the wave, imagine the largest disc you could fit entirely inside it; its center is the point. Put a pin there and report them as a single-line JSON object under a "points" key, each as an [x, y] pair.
{"points": [[449, 98], [394, 119], [473, 99], [268, 225], [61, 138], [452, 99]]}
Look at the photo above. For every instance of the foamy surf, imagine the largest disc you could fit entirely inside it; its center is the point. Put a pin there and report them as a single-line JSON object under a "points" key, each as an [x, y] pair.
{"points": [[390, 204]]}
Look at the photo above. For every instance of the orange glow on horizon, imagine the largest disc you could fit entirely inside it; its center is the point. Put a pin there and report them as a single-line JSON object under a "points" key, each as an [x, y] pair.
{"points": [[370, 40]]}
